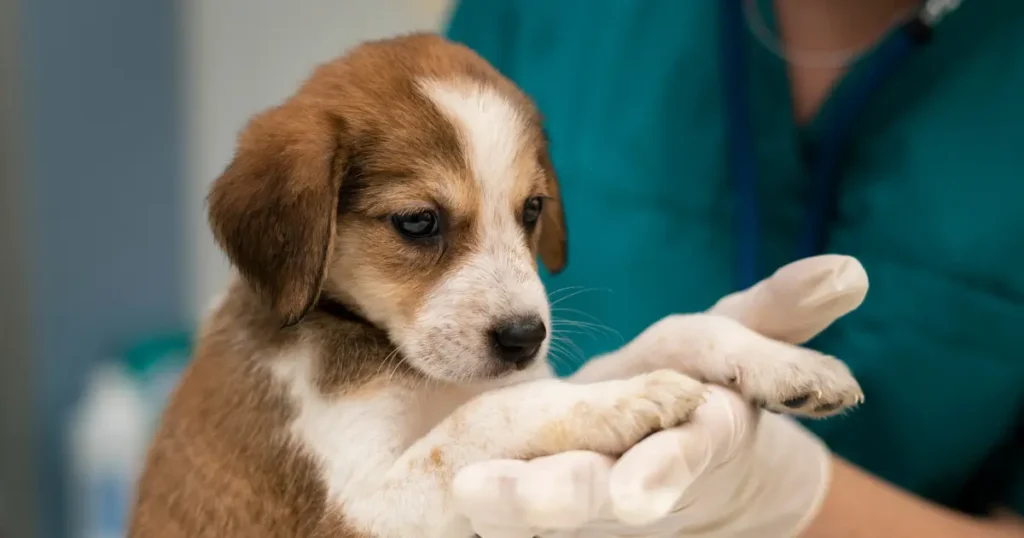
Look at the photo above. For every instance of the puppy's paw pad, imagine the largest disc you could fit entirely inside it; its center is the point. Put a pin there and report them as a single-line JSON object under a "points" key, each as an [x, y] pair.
{"points": [[806, 383], [798, 402]]}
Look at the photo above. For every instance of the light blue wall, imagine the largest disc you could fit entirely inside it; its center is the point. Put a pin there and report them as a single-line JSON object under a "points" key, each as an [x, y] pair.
{"points": [[102, 183]]}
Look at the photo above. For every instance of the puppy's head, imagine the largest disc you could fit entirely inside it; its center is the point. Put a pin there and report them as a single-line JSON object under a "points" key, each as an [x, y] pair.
{"points": [[411, 181]]}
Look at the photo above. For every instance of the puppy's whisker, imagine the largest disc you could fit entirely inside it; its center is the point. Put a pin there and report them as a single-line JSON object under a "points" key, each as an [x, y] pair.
{"points": [[583, 325], [562, 331], [567, 346], [557, 360], [551, 295], [571, 346], [385, 363], [557, 347], [592, 317], [565, 360], [589, 332], [575, 293], [397, 359]]}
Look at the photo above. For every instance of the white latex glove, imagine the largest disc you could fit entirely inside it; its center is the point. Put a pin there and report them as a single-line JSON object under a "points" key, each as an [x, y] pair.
{"points": [[730, 472], [721, 475]]}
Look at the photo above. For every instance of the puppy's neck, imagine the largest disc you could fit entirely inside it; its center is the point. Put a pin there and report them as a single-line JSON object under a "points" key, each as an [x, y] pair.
{"points": [[345, 351]]}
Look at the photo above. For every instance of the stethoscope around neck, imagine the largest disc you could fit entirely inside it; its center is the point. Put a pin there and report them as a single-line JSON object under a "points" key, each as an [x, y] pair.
{"points": [[889, 55]]}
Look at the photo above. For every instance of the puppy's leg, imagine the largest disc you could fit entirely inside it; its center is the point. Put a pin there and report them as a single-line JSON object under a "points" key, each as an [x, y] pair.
{"points": [[520, 422], [718, 349], [797, 302]]}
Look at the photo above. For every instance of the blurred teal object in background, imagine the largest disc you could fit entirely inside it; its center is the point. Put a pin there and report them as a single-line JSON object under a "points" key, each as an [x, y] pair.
{"points": [[111, 427], [156, 364]]}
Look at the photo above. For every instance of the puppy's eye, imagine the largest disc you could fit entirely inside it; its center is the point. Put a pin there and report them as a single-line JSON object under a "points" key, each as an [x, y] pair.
{"points": [[422, 225], [532, 210]]}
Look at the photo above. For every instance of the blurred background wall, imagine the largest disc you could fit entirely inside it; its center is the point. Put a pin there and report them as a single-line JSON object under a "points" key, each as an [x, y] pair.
{"points": [[115, 115], [16, 458], [102, 183]]}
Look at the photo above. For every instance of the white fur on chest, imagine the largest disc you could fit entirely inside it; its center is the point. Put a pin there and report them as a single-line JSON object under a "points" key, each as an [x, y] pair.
{"points": [[357, 437]]}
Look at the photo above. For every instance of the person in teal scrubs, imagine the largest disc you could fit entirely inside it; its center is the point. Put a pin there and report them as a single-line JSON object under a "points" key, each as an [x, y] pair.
{"points": [[702, 144]]}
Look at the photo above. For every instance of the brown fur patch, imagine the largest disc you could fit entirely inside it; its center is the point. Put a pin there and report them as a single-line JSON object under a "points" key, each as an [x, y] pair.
{"points": [[219, 465]]}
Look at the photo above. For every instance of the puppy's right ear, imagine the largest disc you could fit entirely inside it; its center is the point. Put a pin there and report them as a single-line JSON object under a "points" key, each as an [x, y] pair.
{"points": [[554, 237], [274, 208]]}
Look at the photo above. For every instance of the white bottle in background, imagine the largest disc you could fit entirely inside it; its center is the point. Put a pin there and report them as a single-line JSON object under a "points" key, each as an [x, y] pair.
{"points": [[108, 435]]}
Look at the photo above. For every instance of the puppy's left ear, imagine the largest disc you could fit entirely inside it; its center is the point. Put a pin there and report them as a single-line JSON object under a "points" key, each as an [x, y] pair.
{"points": [[274, 208], [554, 236]]}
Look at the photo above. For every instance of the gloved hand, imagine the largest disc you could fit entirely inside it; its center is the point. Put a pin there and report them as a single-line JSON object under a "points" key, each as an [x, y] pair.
{"points": [[731, 471]]}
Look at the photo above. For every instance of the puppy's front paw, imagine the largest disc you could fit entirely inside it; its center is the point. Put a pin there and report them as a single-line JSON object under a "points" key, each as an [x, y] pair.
{"points": [[798, 381], [624, 412], [659, 399]]}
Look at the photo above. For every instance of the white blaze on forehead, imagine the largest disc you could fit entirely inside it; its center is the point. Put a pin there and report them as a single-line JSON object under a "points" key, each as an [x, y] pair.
{"points": [[492, 132], [491, 129], [497, 282]]}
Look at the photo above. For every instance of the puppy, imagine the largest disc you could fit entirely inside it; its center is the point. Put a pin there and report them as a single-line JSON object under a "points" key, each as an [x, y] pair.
{"points": [[387, 325]]}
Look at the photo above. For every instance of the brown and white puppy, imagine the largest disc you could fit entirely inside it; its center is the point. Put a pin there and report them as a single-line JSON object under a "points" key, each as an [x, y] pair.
{"points": [[388, 325]]}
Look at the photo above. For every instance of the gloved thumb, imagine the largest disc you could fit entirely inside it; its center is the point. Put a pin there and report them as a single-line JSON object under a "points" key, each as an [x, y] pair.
{"points": [[653, 478]]}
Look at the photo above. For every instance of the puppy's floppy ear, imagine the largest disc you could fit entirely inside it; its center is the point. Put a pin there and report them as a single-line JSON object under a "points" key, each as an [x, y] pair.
{"points": [[554, 237], [274, 208]]}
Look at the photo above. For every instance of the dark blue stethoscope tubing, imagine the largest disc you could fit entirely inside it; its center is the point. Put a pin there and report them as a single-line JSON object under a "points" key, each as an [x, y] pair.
{"points": [[833, 139], [739, 132]]}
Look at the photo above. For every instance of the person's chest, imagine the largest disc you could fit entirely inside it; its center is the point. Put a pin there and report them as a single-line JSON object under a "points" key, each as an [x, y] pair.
{"points": [[930, 202], [930, 206]]}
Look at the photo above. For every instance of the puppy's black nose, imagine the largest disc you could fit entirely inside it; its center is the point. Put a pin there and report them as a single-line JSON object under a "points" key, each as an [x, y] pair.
{"points": [[517, 341]]}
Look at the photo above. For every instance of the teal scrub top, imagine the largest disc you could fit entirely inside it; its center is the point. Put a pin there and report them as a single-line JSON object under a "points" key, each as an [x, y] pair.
{"points": [[931, 202]]}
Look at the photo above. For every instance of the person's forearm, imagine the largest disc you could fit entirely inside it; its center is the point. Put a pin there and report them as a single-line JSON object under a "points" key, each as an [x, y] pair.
{"points": [[861, 506]]}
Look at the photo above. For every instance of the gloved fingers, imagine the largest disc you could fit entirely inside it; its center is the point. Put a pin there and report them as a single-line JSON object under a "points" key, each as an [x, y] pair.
{"points": [[649, 481], [737, 305], [563, 491], [799, 300], [486, 492], [817, 291], [819, 279]]}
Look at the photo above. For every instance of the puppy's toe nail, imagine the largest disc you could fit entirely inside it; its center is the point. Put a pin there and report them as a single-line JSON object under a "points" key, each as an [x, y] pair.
{"points": [[826, 407], [798, 402]]}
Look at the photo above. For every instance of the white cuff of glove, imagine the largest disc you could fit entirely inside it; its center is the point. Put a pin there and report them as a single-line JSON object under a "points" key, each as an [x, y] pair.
{"points": [[799, 467]]}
